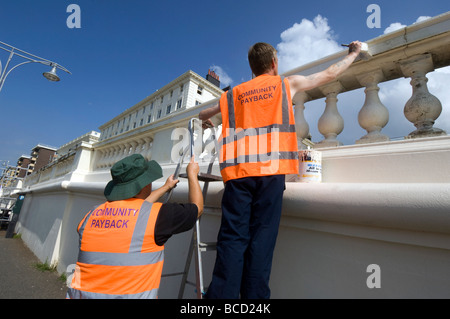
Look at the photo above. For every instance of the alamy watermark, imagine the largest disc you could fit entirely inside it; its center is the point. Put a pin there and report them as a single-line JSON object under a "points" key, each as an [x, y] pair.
{"points": [[74, 19], [374, 19], [240, 146], [374, 279]]}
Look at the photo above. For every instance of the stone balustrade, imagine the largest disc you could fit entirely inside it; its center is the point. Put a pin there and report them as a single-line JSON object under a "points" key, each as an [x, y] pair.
{"points": [[411, 52]]}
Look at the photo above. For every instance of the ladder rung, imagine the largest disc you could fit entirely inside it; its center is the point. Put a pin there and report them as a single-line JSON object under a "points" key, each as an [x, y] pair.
{"points": [[204, 177]]}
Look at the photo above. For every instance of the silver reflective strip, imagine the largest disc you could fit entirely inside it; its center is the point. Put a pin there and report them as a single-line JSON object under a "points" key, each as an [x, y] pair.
{"points": [[85, 221], [232, 136], [284, 104], [141, 225], [231, 116], [120, 259], [259, 158], [79, 294]]}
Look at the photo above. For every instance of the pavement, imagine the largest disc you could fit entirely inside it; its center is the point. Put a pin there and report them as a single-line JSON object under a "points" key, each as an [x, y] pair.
{"points": [[19, 277]]}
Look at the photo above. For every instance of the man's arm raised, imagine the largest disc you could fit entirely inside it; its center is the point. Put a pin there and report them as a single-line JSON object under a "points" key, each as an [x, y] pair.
{"points": [[300, 83]]}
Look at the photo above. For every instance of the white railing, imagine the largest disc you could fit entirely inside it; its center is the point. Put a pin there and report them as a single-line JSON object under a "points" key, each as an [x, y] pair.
{"points": [[411, 52]]}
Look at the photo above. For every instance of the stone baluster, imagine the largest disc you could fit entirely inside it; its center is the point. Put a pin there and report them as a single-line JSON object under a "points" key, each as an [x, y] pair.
{"points": [[148, 148], [127, 150], [104, 160], [124, 151], [105, 156], [331, 122], [140, 146], [100, 157], [373, 116], [301, 126], [115, 155], [112, 156], [132, 147], [423, 108]]}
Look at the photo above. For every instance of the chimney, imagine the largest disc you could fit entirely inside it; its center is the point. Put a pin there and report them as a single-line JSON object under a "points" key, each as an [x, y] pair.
{"points": [[213, 78]]}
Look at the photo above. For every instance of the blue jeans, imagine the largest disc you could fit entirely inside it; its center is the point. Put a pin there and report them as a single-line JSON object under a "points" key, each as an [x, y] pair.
{"points": [[251, 210]]}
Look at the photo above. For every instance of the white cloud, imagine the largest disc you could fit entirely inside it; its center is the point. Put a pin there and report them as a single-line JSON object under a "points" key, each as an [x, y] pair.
{"points": [[394, 27], [422, 18], [225, 79], [397, 25], [305, 42]]}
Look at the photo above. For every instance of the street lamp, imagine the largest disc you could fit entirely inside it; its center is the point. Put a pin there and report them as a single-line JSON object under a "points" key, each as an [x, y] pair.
{"points": [[51, 76], [31, 58]]}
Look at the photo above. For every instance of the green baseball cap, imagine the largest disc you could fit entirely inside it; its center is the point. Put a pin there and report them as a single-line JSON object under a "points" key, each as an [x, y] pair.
{"points": [[130, 175]]}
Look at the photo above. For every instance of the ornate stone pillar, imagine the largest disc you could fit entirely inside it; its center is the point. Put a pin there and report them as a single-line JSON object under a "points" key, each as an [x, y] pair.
{"points": [[116, 156], [148, 148], [100, 158], [423, 108], [140, 146], [331, 122], [133, 148], [373, 116], [301, 126]]}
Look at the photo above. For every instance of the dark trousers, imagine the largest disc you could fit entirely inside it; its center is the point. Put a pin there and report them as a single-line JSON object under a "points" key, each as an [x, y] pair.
{"points": [[251, 210]]}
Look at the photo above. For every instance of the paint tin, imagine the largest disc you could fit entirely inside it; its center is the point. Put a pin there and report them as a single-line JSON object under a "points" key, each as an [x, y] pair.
{"points": [[310, 166]]}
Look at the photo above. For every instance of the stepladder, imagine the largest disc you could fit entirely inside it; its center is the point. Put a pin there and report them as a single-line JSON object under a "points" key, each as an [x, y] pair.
{"points": [[197, 247]]}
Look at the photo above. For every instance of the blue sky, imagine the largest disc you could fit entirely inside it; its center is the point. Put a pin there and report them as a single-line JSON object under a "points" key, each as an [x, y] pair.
{"points": [[125, 50]]}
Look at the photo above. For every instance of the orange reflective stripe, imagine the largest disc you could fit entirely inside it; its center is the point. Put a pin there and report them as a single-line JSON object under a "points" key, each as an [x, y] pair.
{"points": [[257, 126]]}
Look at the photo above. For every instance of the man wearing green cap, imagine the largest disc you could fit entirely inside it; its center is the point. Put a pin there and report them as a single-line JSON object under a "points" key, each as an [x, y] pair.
{"points": [[122, 241]]}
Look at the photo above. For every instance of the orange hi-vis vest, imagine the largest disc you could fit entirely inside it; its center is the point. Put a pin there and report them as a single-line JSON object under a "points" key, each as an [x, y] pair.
{"points": [[118, 256], [258, 129]]}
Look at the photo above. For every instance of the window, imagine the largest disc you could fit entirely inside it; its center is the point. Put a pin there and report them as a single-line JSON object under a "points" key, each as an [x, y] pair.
{"points": [[171, 94], [199, 90], [162, 98], [181, 88], [179, 104], [168, 109], [159, 114], [142, 122], [197, 102], [149, 118]]}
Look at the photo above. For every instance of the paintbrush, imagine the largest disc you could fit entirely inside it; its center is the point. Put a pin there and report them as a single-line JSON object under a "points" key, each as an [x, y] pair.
{"points": [[364, 54]]}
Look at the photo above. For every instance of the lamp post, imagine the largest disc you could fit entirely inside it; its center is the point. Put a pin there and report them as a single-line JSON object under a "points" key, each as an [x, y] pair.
{"points": [[31, 58]]}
